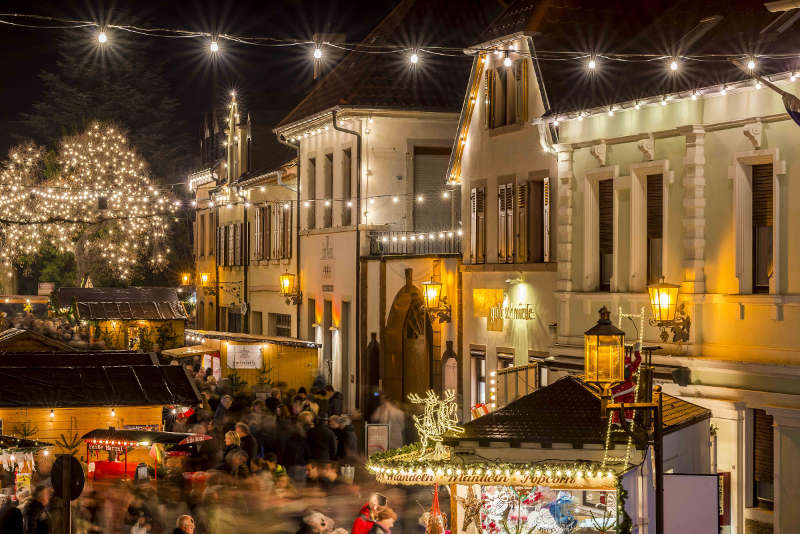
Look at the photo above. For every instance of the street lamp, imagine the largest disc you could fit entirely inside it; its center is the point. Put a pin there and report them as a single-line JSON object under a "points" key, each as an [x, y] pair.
{"points": [[433, 301], [185, 279], [604, 366], [666, 312], [204, 278], [604, 353], [289, 289]]}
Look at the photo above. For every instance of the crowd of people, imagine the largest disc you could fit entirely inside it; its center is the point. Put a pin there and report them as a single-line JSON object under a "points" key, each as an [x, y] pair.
{"points": [[290, 462]]}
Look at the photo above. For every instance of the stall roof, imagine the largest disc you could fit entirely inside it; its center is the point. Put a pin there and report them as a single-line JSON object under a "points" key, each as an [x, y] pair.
{"points": [[253, 338], [13, 442], [167, 438], [76, 358], [186, 352], [566, 411], [12, 336], [57, 386], [123, 303]]}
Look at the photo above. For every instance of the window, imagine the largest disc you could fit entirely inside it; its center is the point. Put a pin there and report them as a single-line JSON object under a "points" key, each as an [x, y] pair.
{"points": [[311, 193], [256, 326], [762, 227], [655, 227], [505, 223], [279, 324], [505, 359], [327, 218], [234, 321], [477, 225], [478, 358], [430, 169], [347, 177], [605, 222], [506, 94], [763, 450], [533, 216]]}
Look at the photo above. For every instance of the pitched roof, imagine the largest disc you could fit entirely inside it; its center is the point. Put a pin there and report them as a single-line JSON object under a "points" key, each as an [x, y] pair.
{"points": [[75, 358], [384, 80], [98, 385], [566, 411], [16, 338], [97, 303], [633, 26]]}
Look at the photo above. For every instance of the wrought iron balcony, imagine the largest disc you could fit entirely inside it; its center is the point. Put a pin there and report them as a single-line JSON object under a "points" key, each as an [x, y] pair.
{"points": [[414, 243]]}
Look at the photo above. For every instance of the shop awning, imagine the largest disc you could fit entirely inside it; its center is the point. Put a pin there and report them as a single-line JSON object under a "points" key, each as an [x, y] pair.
{"points": [[143, 436], [13, 442], [188, 352]]}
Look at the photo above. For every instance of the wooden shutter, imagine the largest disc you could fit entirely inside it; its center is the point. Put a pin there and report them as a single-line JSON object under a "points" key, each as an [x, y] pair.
{"points": [[237, 244], [762, 195], [477, 224], [488, 93], [522, 90], [230, 247], [762, 446], [287, 232], [256, 248], [655, 206], [546, 219], [522, 222], [505, 223], [605, 198], [245, 242], [267, 237]]}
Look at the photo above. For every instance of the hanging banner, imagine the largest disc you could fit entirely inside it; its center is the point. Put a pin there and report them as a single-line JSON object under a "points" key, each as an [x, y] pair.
{"points": [[244, 357]]}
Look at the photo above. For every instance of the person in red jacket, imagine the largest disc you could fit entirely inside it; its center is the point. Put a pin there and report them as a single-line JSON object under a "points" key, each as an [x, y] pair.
{"points": [[368, 514]]}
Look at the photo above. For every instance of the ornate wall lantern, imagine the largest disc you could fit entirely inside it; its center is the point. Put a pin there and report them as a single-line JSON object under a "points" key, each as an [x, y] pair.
{"points": [[204, 279], [186, 279], [289, 289], [604, 354], [434, 303], [667, 314]]}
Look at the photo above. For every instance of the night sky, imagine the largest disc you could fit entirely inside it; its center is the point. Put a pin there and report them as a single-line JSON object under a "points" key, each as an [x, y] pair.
{"points": [[269, 81]]}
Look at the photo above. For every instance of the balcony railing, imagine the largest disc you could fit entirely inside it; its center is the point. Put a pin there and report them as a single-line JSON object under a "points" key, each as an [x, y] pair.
{"points": [[414, 243]]}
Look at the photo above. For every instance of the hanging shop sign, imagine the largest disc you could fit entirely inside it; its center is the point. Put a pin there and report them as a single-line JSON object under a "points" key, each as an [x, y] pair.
{"points": [[244, 357], [523, 312]]}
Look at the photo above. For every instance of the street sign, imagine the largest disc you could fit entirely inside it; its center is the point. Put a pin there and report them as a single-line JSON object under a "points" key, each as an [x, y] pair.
{"points": [[67, 477]]}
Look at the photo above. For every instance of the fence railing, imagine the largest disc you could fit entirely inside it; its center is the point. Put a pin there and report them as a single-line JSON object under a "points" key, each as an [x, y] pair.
{"points": [[414, 243]]}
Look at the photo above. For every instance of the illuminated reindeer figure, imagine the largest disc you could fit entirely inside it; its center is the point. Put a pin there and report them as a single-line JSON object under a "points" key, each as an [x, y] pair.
{"points": [[438, 417]]}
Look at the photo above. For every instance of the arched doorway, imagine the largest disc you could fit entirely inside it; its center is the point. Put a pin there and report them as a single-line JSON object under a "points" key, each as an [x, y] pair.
{"points": [[407, 348]]}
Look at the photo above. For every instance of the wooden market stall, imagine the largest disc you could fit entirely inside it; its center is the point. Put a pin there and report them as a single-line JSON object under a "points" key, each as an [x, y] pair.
{"points": [[253, 358], [129, 318], [546, 462], [116, 444], [60, 396], [19, 340]]}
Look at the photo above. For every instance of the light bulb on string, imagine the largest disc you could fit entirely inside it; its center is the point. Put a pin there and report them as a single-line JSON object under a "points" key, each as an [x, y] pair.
{"points": [[414, 58], [673, 66], [507, 61], [102, 37], [317, 53], [213, 47], [751, 64], [592, 64]]}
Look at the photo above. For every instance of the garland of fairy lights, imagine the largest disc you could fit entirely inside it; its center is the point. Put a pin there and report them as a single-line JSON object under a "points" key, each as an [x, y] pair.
{"points": [[89, 196]]}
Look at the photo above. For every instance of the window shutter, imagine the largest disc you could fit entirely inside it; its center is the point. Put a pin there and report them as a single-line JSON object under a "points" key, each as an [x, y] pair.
{"points": [[245, 242], [478, 225], [488, 93], [522, 222], [762, 446], [509, 222], [501, 223], [276, 232], [655, 195], [287, 233], [522, 90], [237, 244], [230, 249], [257, 235], [546, 219], [762, 195], [605, 196], [279, 230], [267, 237]]}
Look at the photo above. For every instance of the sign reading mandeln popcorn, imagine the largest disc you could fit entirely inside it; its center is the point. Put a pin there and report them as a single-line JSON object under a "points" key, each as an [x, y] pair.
{"points": [[244, 357]]}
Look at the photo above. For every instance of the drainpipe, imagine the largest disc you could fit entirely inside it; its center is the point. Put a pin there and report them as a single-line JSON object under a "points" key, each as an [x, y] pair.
{"points": [[282, 140], [358, 249]]}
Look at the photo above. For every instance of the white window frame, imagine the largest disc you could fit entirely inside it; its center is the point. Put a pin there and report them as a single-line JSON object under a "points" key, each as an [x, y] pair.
{"points": [[638, 239], [591, 231], [741, 173]]}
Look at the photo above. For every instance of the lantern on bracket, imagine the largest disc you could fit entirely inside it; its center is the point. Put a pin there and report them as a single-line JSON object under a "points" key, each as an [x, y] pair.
{"points": [[434, 303], [667, 313], [289, 289]]}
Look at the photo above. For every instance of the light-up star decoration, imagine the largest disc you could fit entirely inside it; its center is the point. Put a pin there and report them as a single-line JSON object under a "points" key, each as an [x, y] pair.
{"points": [[472, 510], [438, 418]]}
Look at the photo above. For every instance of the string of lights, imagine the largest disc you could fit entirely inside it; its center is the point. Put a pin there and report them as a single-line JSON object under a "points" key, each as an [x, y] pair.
{"points": [[414, 54]]}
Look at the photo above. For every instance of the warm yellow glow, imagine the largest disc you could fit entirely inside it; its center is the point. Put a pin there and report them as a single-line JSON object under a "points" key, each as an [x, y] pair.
{"points": [[185, 279], [287, 284], [663, 301], [204, 279], [604, 359], [430, 294]]}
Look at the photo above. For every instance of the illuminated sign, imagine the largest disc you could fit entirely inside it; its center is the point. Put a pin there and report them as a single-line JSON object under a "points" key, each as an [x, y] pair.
{"points": [[524, 312]]}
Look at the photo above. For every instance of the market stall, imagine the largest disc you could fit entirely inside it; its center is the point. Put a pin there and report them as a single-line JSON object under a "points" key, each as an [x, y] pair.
{"points": [[546, 463], [19, 456], [117, 444]]}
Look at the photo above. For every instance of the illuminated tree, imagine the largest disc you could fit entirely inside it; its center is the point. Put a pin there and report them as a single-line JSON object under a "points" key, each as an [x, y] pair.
{"points": [[93, 197]]}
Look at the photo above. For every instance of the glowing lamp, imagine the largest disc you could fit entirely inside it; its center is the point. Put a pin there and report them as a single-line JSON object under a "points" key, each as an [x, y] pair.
{"points": [[431, 291], [204, 277], [663, 301], [288, 288], [604, 352], [185, 277]]}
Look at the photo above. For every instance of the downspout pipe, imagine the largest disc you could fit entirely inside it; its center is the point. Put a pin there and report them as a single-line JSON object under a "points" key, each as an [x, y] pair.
{"points": [[358, 249], [298, 307]]}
